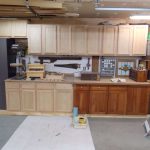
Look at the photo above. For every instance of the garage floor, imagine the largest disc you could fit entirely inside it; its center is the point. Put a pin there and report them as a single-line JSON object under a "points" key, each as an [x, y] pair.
{"points": [[107, 133]]}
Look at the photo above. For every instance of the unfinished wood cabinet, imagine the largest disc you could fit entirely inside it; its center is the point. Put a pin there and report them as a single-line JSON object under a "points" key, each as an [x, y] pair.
{"points": [[45, 97], [19, 28], [98, 99], [34, 34], [63, 101], [5, 28], [137, 100], [49, 44], [140, 40], [79, 40], [45, 100], [117, 100], [64, 39], [12, 96], [28, 97], [109, 42], [125, 40], [94, 39]]}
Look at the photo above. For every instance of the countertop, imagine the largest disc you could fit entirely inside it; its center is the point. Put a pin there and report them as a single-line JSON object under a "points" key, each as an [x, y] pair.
{"points": [[73, 80]]}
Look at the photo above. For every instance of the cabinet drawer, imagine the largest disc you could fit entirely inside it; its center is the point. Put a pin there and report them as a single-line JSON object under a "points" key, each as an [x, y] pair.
{"points": [[12, 85], [30, 85], [64, 86], [81, 87], [117, 88], [45, 86], [103, 88]]}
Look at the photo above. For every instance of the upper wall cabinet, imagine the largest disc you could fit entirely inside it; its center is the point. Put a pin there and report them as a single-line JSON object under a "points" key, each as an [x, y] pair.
{"points": [[64, 39], [34, 38], [109, 40], [19, 28], [94, 39], [13, 28], [5, 28], [140, 40], [49, 45], [125, 40], [79, 40]]}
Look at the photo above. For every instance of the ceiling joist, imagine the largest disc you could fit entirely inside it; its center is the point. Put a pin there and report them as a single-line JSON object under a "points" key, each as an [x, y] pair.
{"points": [[36, 3]]}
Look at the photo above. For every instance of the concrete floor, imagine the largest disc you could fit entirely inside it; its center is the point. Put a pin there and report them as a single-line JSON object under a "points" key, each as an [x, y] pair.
{"points": [[107, 133], [8, 124]]}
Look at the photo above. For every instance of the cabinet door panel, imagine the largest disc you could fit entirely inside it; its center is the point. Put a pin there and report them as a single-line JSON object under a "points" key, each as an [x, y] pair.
{"points": [[98, 102], [138, 99], [79, 40], [5, 29], [45, 100], [94, 40], [28, 100], [64, 39], [109, 40], [140, 40], [63, 100], [49, 39], [19, 28], [117, 102], [13, 99], [125, 40], [34, 34], [81, 100]]}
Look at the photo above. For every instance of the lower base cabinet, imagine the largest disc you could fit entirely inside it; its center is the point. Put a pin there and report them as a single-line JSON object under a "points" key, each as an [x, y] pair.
{"points": [[81, 98], [63, 101], [98, 100], [93, 99], [13, 102], [39, 97], [138, 100], [13, 99], [45, 100], [117, 100]]}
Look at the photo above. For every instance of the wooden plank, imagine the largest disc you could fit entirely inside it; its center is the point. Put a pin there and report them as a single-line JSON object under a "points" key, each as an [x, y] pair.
{"points": [[39, 3]]}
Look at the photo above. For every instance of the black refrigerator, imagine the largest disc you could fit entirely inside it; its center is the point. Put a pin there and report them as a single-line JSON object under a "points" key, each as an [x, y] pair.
{"points": [[7, 56]]}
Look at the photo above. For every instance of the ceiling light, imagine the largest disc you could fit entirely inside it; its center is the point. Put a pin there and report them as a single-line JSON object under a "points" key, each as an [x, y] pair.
{"points": [[143, 17], [121, 9]]}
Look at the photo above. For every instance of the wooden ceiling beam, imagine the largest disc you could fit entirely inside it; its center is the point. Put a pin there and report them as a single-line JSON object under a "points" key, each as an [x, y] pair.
{"points": [[37, 3]]}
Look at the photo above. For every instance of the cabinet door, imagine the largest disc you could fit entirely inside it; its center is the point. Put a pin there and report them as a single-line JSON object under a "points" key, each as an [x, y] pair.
{"points": [[137, 101], [117, 100], [13, 99], [98, 101], [63, 101], [109, 40], [49, 39], [28, 100], [19, 28], [79, 40], [45, 100], [82, 98], [64, 39], [140, 40], [125, 40], [34, 34], [5, 28], [94, 40]]}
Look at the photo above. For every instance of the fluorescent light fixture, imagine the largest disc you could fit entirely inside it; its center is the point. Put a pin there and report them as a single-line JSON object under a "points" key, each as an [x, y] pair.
{"points": [[121, 9], [141, 17]]}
